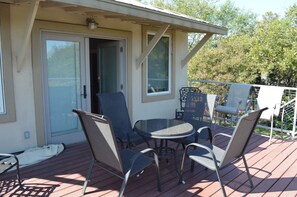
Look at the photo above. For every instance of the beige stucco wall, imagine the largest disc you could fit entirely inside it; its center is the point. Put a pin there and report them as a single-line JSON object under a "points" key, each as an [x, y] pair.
{"points": [[12, 134]]}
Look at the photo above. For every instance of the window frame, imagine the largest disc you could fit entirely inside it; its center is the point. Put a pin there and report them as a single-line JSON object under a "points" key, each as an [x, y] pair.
{"points": [[7, 68], [159, 96]]}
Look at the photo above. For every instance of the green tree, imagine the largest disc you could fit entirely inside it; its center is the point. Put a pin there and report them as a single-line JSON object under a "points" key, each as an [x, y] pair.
{"points": [[274, 50], [291, 15], [227, 62], [237, 21]]}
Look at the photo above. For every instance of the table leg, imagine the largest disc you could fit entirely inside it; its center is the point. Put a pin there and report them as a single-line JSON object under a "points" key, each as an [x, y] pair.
{"points": [[163, 152]]}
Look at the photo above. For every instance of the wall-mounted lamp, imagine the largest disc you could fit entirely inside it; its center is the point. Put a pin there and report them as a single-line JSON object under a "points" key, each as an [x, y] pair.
{"points": [[91, 23]]}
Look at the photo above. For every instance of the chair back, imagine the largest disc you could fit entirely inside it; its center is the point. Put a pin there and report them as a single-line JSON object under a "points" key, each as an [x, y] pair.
{"points": [[198, 109], [101, 139], [241, 136], [183, 93], [238, 93], [113, 105], [271, 97]]}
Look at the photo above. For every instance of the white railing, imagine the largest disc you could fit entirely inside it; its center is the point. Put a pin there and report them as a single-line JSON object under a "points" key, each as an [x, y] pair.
{"points": [[288, 114]]}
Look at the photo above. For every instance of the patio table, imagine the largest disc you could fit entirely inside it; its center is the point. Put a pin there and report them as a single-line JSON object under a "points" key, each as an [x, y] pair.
{"points": [[164, 129]]}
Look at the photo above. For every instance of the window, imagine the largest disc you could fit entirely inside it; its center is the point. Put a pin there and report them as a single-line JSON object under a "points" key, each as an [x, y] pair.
{"points": [[7, 107], [157, 78], [158, 67]]}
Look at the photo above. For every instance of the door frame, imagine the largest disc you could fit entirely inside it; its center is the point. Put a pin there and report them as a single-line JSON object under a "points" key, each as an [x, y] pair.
{"points": [[101, 33], [73, 136]]}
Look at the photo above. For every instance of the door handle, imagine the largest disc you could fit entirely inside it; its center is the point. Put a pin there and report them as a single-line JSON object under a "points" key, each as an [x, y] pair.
{"points": [[84, 94]]}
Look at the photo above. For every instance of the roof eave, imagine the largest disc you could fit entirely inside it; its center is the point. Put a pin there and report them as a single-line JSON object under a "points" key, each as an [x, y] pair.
{"points": [[185, 24]]}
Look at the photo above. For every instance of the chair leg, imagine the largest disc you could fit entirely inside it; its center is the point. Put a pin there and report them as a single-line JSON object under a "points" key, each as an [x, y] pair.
{"points": [[221, 183], [181, 180], [271, 129], [247, 171], [158, 172], [88, 176], [18, 176], [123, 186]]}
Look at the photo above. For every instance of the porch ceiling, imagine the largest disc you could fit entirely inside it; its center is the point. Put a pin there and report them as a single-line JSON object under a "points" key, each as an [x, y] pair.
{"points": [[131, 11]]}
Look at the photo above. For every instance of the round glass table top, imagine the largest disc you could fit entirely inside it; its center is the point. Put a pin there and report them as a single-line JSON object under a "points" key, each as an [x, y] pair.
{"points": [[164, 128]]}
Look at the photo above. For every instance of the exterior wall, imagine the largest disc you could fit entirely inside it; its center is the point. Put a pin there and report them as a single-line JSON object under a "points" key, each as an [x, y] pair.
{"points": [[12, 134]]}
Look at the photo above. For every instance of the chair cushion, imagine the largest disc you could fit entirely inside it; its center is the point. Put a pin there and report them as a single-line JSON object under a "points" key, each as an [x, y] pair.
{"points": [[226, 109]]}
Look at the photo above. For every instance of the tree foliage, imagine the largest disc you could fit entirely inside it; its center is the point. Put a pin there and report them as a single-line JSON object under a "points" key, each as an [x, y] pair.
{"points": [[227, 62], [254, 51], [274, 50]]}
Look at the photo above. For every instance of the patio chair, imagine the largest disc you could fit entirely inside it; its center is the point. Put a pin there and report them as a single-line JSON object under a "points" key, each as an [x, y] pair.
{"points": [[271, 97], [237, 101], [7, 162], [183, 93], [215, 158], [113, 105], [122, 163], [198, 111]]}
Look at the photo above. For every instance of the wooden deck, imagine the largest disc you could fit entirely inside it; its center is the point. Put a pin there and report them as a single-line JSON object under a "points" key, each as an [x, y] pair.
{"points": [[273, 168]]}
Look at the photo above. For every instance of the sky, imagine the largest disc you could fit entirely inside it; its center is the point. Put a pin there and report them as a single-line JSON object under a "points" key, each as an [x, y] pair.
{"points": [[260, 7]]}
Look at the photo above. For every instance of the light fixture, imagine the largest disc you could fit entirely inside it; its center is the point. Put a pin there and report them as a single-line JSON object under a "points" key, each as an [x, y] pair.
{"points": [[91, 23]]}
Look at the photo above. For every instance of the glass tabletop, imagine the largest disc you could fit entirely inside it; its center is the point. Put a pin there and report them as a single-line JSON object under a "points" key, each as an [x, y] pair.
{"points": [[164, 128]]}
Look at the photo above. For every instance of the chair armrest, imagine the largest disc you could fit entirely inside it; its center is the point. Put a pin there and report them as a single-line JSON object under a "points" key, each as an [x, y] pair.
{"points": [[222, 134], [208, 129], [203, 147], [138, 154]]}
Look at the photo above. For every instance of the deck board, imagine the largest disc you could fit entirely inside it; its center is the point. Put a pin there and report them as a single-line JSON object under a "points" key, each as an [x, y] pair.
{"points": [[273, 168]]}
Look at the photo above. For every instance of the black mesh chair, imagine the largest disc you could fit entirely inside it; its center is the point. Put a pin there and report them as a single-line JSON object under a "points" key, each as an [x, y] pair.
{"points": [[198, 111], [214, 158], [183, 94], [7, 162], [121, 163], [113, 105]]}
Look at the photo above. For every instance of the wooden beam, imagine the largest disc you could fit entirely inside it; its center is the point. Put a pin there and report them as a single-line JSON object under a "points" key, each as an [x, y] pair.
{"points": [[152, 44], [27, 33], [196, 49]]}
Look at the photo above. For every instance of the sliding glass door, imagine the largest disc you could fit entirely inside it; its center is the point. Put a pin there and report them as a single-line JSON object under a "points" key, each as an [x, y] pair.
{"points": [[65, 86]]}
